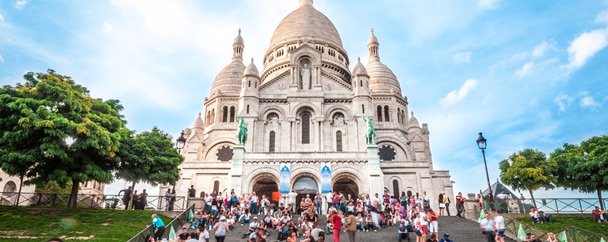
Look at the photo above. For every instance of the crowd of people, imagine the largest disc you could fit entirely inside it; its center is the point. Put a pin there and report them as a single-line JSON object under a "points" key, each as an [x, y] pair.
{"points": [[132, 200], [409, 216]]}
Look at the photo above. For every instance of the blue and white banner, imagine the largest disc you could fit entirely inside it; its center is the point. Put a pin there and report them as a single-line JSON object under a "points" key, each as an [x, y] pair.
{"points": [[285, 179], [325, 179]]}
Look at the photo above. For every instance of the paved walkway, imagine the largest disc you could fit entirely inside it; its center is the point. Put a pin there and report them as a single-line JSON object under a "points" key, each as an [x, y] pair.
{"points": [[461, 230]]}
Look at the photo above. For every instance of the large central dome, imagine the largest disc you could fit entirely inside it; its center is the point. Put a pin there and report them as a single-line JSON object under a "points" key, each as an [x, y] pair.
{"points": [[306, 23]]}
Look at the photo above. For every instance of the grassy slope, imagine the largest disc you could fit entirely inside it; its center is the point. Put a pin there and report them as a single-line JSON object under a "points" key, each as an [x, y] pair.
{"points": [[562, 222], [45, 223]]}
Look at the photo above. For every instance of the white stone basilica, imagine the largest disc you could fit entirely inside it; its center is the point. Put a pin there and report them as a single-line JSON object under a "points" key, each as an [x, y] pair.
{"points": [[305, 111]]}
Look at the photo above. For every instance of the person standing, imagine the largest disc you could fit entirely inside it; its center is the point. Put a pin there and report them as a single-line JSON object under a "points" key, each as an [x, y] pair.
{"points": [[318, 203], [434, 225], [159, 227], [329, 199], [487, 224], [459, 205], [126, 197], [446, 201], [143, 200], [168, 199], [499, 224], [191, 191], [219, 230], [336, 221], [351, 226], [441, 204]]}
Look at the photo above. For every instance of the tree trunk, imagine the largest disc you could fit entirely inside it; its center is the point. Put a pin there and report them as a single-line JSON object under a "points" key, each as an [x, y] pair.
{"points": [[599, 196], [533, 200], [130, 204], [20, 186], [73, 201]]}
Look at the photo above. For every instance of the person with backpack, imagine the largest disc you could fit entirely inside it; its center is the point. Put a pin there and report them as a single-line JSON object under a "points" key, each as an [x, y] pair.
{"points": [[219, 230]]}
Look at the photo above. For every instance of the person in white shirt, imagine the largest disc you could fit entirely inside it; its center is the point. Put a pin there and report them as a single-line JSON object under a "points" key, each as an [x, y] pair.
{"points": [[203, 236], [499, 224], [487, 224]]}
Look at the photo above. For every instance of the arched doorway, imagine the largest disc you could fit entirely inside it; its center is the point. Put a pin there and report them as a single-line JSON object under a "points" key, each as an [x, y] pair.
{"points": [[265, 185], [9, 188], [304, 186], [346, 185]]}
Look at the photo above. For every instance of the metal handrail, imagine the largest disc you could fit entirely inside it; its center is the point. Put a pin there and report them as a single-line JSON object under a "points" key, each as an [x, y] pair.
{"points": [[549, 205], [107, 201]]}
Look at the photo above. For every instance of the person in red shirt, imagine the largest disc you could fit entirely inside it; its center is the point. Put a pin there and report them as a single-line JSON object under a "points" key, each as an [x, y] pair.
{"points": [[336, 220], [459, 205], [433, 225]]}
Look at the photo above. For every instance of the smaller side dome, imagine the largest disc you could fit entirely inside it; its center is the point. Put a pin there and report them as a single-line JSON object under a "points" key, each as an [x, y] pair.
{"points": [[413, 123], [251, 70], [359, 68], [198, 122]]}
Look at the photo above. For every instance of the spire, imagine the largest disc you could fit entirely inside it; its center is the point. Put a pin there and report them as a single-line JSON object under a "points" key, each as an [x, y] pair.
{"points": [[373, 47], [305, 2], [238, 46]]}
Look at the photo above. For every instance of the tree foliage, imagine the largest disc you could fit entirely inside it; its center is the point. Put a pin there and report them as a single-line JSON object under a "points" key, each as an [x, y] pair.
{"points": [[584, 167], [149, 157], [53, 130], [528, 170]]}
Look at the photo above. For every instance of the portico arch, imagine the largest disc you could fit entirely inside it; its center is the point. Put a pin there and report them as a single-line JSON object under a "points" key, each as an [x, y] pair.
{"points": [[264, 184], [347, 183]]}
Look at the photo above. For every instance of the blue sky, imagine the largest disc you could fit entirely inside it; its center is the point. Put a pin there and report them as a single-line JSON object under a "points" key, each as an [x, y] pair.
{"points": [[529, 74]]}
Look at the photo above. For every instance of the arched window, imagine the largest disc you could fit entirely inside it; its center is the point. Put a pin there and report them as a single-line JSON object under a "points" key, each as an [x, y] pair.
{"points": [[249, 84], [306, 128], [256, 84], [403, 116], [386, 114], [225, 114], [399, 115], [232, 111], [216, 186], [247, 109], [379, 113], [339, 141], [360, 83], [213, 115], [396, 188], [362, 108], [271, 142]]}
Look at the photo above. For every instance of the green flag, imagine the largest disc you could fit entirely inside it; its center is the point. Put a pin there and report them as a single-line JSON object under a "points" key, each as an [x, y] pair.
{"points": [[482, 215], [602, 240], [172, 235], [190, 215], [521, 233], [563, 237]]}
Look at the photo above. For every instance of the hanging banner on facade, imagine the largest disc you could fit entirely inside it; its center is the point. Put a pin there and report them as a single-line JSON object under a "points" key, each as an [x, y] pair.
{"points": [[325, 179], [285, 178]]}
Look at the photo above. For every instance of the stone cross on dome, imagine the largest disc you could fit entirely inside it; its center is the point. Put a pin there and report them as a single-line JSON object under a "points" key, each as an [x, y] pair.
{"points": [[305, 2]]}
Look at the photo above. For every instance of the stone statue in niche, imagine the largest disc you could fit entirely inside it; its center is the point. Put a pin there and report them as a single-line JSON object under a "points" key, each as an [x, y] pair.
{"points": [[305, 77]]}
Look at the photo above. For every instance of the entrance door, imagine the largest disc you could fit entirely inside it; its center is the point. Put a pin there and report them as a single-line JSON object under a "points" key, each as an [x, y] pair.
{"points": [[265, 186], [346, 186], [304, 186]]}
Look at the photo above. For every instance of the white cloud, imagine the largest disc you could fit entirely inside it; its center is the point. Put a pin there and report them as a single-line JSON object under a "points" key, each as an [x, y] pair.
{"points": [[563, 101], [20, 4], [463, 57], [602, 17], [456, 96], [487, 4], [1, 18], [107, 27], [586, 46], [541, 49], [1, 59], [587, 101], [525, 69]]}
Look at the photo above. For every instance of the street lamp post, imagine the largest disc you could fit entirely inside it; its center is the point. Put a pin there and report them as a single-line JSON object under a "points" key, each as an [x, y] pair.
{"points": [[179, 145], [481, 143]]}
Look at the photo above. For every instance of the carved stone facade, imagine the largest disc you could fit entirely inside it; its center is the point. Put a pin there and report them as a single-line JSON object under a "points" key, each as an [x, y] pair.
{"points": [[307, 109]]}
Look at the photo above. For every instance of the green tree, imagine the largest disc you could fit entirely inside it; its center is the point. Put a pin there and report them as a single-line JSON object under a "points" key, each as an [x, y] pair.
{"points": [[584, 167], [528, 170], [148, 157], [53, 130]]}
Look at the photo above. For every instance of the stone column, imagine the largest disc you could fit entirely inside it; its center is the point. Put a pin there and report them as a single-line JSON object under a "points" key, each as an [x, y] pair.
{"points": [[236, 171], [376, 178]]}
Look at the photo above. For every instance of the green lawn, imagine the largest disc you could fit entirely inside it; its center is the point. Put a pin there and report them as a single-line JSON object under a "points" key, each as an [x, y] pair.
{"points": [[40, 224], [562, 222]]}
